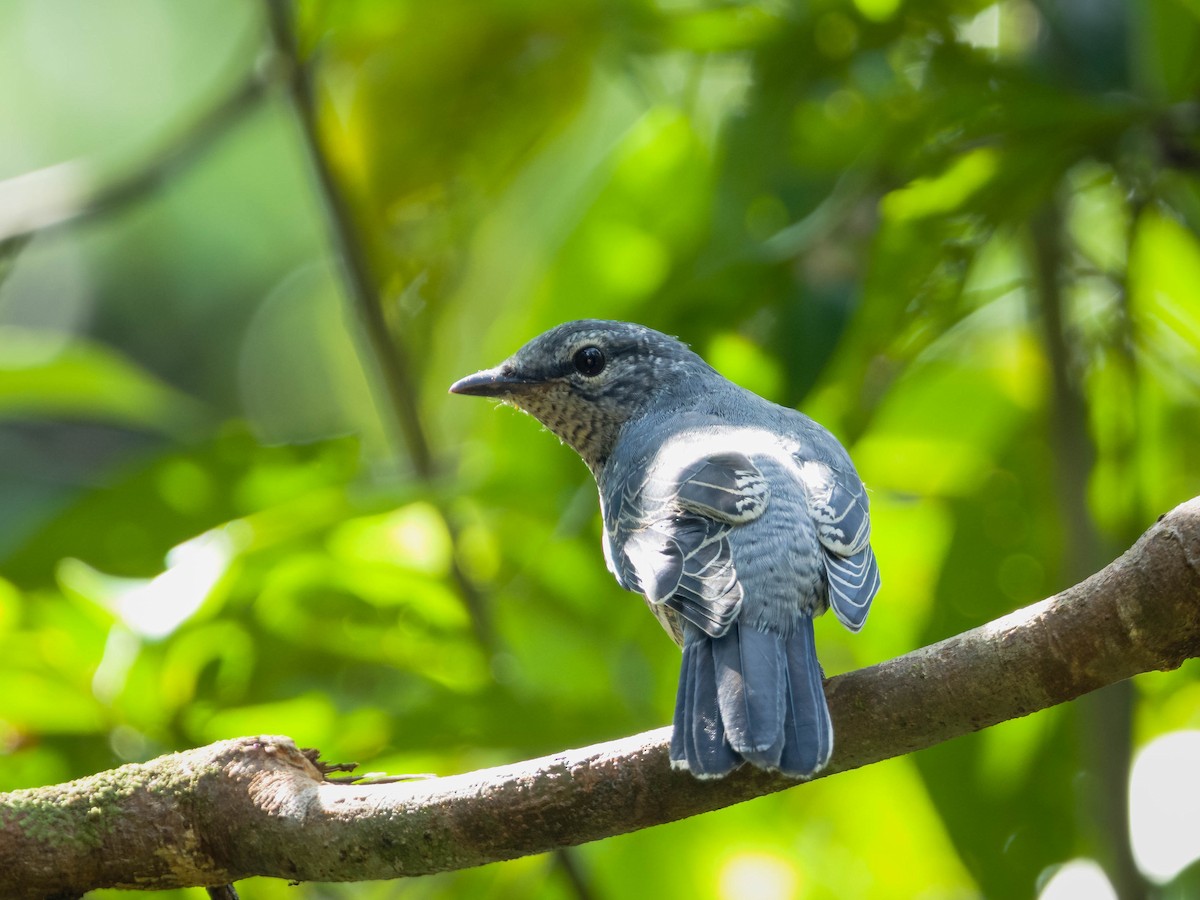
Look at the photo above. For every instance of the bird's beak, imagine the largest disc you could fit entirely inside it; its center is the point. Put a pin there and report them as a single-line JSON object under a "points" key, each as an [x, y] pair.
{"points": [[497, 382]]}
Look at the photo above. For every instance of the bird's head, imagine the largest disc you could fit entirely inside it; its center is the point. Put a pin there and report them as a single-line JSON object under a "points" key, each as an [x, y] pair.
{"points": [[584, 380]]}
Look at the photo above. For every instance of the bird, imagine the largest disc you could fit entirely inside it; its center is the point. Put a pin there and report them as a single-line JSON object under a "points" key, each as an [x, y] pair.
{"points": [[738, 520]]}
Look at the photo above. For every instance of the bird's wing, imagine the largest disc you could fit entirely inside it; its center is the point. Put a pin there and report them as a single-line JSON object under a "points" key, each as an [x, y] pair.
{"points": [[837, 502], [672, 535], [726, 487]]}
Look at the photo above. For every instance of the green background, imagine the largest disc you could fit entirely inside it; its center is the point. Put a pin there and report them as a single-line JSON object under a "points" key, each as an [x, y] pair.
{"points": [[961, 235]]}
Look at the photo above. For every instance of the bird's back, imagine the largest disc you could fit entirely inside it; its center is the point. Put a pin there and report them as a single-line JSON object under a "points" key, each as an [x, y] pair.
{"points": [[777, 556]]}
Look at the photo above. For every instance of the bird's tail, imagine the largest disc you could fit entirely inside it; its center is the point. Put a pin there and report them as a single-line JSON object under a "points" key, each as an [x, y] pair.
{"points": [[751, 695]]}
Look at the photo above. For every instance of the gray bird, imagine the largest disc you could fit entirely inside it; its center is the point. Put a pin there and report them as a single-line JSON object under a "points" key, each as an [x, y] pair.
{"points": [[737, 519]]}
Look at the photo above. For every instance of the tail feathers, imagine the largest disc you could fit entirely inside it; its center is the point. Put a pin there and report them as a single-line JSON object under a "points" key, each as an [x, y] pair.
{"points": [[698, 741], [751, 666], [751, 696], [808, 730]]}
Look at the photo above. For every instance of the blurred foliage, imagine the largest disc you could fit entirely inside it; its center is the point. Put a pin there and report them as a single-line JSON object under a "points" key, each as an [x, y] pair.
{"points": [[963, 235]]}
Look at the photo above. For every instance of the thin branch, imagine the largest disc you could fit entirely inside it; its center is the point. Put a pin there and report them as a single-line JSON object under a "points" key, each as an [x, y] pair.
{"points": [[259, 806], [577, 879], [68, 192], [396, 379], [360, 279], [1107, 716]]}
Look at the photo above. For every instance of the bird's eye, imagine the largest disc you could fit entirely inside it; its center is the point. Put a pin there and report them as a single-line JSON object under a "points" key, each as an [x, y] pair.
{"points": [[590, 361]]}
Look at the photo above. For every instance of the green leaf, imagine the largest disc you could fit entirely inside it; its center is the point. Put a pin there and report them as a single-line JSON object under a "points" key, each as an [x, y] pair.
{"points": [[51, 375]]}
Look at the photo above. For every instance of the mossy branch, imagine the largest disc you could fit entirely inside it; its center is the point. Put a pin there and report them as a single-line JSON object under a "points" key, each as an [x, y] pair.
{"points": [[260, 806]]}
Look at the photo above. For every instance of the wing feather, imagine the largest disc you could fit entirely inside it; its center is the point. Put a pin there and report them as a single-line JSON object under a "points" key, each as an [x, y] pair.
{"points": [[839, 506], [673, 538]]}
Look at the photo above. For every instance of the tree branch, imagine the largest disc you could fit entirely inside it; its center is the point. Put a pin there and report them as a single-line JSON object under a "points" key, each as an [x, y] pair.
{"points": [[396, 381], [361, 282], [63, 194], [259, 806]]}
